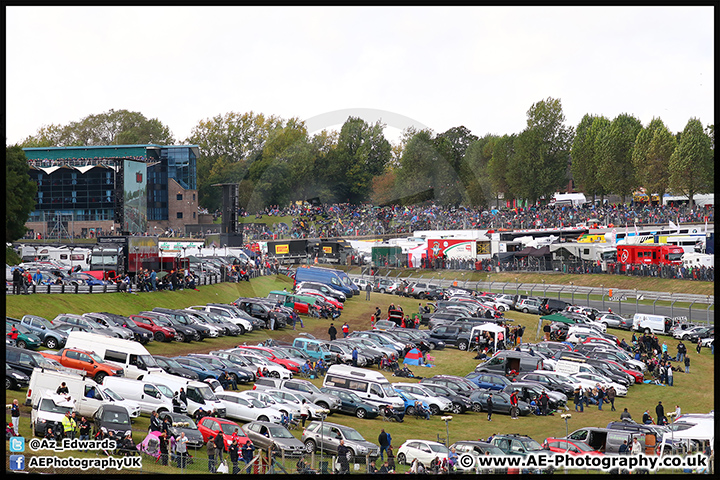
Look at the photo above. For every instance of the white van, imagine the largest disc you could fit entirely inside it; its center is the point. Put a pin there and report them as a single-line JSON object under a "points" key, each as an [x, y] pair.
{"points": [[199, 394], [133, 357], [48, 410], [149, 395], [657, 324], [79, 388], [367, 384]]}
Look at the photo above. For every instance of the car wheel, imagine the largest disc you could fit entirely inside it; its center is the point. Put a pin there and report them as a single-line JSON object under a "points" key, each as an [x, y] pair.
{"points": [[51, 343], [684, 337], [9, 384], [432, 346], [263, 418], [309, 447], [180, 336], [434, 410], [197, 337], [360, 413], [462, 345], [382, 290], [21, 344], [242, 329], [477, 407], [401, 459], [159, 337], [274, 374], [99, 377], [457, 408], [525, 310], [410, 411]]}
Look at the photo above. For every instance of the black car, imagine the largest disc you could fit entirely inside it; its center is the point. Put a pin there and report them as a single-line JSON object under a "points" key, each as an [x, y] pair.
{"points": [[183, 332], [240, 374], [171, 366], [182, 423], [259, 309], [459, 385], [25, 360], [552, 305], [114, 418], [448, 334], [549, 381], [185, 318], [501, 402], [15, 379], [704, 332]]}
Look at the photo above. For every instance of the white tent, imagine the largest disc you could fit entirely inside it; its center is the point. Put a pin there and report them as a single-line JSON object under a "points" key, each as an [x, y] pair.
{"points": [[703, 430], [488, 327]]}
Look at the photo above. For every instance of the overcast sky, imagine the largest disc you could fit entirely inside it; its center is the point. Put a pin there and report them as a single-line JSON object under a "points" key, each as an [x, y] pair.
{"points": [[433, 67]]}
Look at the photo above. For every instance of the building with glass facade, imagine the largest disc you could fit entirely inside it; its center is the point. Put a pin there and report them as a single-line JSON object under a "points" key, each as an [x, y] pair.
{"points": [[91, 190]]}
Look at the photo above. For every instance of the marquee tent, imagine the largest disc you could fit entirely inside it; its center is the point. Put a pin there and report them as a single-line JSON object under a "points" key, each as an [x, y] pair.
{"points": [[488, 327], [703, 431]]}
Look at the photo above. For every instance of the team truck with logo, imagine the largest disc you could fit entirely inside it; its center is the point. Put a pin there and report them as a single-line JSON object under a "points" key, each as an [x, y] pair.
{"points": [[119, 255], [649, 254]]}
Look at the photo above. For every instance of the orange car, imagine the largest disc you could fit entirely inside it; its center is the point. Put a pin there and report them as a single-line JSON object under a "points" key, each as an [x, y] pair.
{"points": [[96, 367]]}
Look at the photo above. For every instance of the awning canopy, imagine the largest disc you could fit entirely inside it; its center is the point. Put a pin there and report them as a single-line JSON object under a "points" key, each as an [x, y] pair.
{"points": [[553, 317]]}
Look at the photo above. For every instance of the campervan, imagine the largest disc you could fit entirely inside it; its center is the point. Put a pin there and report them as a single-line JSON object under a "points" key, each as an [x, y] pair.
{"points": [[133, 357], [367, 384], [88, 395]]}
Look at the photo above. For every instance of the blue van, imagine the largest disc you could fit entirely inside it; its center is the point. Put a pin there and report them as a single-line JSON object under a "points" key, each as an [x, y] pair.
{"points": [[336, 279]]}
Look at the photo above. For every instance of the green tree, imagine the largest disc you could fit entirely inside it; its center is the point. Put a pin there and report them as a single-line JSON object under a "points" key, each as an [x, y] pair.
{"points": [[540, 165], [474, 171], [114, 127], [582, 153], [453, 145], [502, 155], [20, 193], [651, 157], [615, 146], [692, 164], [415, 180]]}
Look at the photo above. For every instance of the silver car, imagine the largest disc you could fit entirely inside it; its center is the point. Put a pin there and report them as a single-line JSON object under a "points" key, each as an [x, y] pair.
{"points": [[271, 435], [327, 436], [528, 305], [90, 326]]}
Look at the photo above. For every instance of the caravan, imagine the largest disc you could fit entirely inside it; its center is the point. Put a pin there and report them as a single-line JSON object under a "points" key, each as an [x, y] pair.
{"points": [[133, 357]]}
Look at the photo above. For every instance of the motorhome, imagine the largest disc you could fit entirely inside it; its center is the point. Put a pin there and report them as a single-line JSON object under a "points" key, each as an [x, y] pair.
{"points": [[133, 357], [369, 385]]}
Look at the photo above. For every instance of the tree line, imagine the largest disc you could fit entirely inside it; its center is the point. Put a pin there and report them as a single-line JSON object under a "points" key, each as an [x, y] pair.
{"points": [[275, 161]]}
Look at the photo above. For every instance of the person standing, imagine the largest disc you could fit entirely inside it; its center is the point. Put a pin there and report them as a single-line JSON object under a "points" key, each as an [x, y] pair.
{"points": [[345, 330], [163, 439], [699, 346], [332, 331], [660, 414], [677, 411], [611, 398], [219, 447], [514, 405], [368, 289], [355, 357], [17, 280], [342, 454], [155, 425], [669, 374], [181, 449], [248, 450], [544, 402], [211, 454], [153, 280], [304, 412], [636, 447], [687, 364], [15, 416], [234, 452], [384, 442], [84, 429], [489, 407]]}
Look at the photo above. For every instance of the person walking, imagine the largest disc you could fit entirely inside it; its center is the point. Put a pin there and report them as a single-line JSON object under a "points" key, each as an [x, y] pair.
{"points": [[368, 289], [687, 364], [384, 442], [611, 397], [489, 407], [332, 331], [345, 330]]}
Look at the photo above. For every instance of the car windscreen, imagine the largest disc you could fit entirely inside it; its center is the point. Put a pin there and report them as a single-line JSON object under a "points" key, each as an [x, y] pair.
{"points": [[228, 428], [351, 434], [121, 418], [47, 405], [439, 448], [531, 445], [280, 432]]}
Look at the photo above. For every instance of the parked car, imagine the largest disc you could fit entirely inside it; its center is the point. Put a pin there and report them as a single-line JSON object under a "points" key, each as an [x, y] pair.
{"points": [[45, 329], [476, 449], [171, 366], [160, 332], [267, 435], [611, 320], [501, 402], [114, 418], [332, 434], [562, 445], [489, 381], [461, 403], [179, 422], [422, 450], [351, 404], [528, 305], [15, 379], [247, 409], [210, 426], [25, 337]]}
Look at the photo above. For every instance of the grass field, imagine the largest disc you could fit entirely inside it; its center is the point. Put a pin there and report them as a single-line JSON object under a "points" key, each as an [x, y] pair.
{"points": [[693, 392]]}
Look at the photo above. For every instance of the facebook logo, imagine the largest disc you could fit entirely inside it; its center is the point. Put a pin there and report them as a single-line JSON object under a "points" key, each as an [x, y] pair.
{"points": [[17, 462], [17, 444]]}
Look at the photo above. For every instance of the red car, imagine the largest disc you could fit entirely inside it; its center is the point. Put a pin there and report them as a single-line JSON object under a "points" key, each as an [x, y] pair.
{"points": [[160, 333], [268, 353], [562, 445], [210, 426], [638, 375], [335, 303]]}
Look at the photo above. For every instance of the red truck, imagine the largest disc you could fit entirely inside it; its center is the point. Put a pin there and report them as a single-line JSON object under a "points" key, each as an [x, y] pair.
{"points": [[649, 254], [96, 367]]}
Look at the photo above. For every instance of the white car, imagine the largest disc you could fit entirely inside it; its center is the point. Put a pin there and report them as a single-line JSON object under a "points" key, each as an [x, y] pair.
{"points": [[620, 390], [268, 400], [295, 400], [609, 319], [256, 361], [437, 403], [506, 298], [240, 407], [424, 450], [227, 313]]}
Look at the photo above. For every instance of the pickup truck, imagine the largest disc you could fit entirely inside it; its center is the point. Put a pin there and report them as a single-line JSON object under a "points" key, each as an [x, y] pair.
{"points": [[77, 359]]}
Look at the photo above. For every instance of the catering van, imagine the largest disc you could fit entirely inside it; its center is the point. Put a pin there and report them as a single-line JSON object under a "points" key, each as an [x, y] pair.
{"points": [[199, 394], [133, 357], [88, 395], [148, 395], [367, 384]]}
